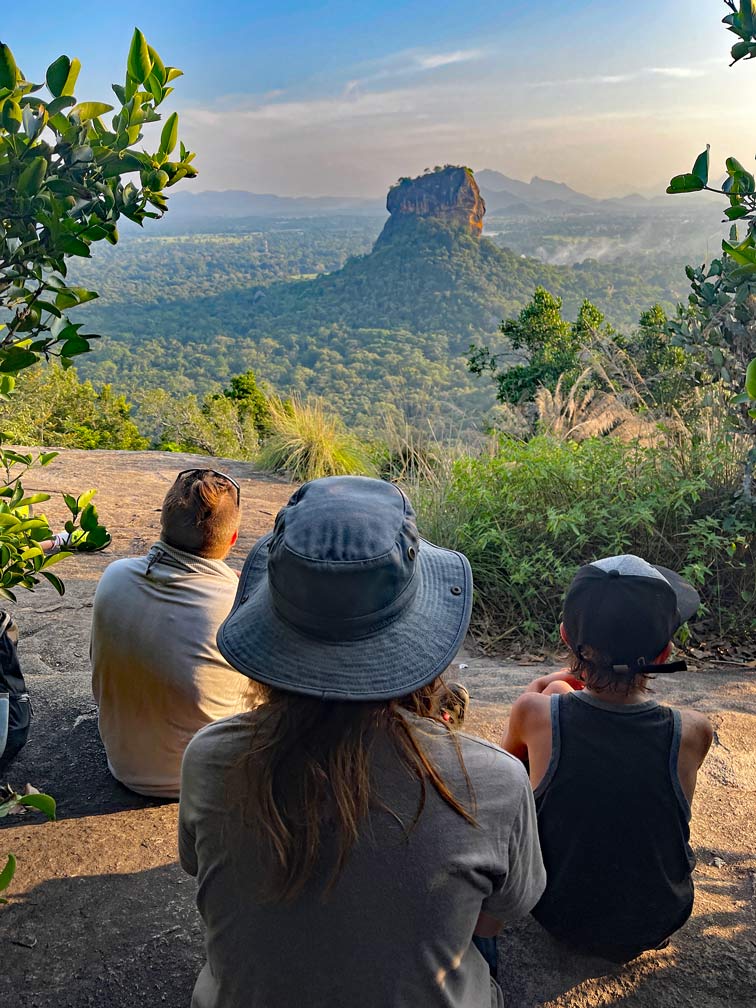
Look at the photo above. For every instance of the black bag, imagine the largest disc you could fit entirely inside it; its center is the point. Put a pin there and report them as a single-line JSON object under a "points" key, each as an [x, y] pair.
{"points": [[12, 683]]}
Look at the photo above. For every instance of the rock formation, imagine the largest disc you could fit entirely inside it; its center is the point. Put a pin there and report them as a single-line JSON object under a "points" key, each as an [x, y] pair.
{"points": [[448, 195]]}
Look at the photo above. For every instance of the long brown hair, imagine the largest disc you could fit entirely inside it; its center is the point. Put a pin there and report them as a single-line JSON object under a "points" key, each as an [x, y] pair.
{"points": [[309, 756]]}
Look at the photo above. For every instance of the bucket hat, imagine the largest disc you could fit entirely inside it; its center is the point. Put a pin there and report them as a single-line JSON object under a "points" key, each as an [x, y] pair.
{"points": [[343, 600], [628, 610]]}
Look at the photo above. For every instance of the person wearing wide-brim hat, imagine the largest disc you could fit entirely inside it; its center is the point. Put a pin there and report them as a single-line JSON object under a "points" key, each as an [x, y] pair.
{"points": [[347, 843], [613, 770]]}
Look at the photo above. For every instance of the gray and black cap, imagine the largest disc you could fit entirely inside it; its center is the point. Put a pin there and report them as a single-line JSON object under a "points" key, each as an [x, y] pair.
{"points": [[628, 610]]}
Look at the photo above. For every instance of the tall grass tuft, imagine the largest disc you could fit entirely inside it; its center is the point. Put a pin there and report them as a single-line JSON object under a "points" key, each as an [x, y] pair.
{"points": [[307, 442]]}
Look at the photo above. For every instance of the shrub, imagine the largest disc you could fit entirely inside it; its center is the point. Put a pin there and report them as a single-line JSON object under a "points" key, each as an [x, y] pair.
{"points": [[307, 442], [528, 516]]}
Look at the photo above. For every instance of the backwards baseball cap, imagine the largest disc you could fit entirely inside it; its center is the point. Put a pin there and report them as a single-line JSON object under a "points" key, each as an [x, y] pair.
{"points": [[628, 610]]}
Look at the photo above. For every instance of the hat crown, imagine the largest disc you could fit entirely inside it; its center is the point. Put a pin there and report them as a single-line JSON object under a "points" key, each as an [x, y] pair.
{"points": [[624, 608], [342, 559]]}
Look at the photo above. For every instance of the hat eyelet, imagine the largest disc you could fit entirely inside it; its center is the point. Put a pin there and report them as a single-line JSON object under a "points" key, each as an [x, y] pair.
{"points": [[411, 552], [455, 590], [243, 599]]}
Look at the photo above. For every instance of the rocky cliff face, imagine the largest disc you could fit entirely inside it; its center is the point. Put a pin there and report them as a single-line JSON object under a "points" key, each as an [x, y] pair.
{"points": [[450, 196]]}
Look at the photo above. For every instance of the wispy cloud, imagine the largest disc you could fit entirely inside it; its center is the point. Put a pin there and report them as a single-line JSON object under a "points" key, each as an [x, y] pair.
{"points": [[435, 60], [409, 62], [679, 73], [675, 73]]}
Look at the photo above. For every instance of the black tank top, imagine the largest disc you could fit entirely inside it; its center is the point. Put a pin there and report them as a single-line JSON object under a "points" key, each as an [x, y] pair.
{"points": [[614, 827]]}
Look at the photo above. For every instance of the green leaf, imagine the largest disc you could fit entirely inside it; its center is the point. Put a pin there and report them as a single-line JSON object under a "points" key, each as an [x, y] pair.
{"points": [[55, 581], [736, 212], [701, 167], [750, 380], [57, 76], [739, 50], [6, 875], [91, 110], [31, 177], [733, 166], [88, 520], [42, 802], [35, 498], [46, 458], [59, 104], [8, 70], [14, 360], [55, 558], [139, 64], [85, 498], [685, 184], [74, 346], [11, 116], [169, 134], [71, 503]]}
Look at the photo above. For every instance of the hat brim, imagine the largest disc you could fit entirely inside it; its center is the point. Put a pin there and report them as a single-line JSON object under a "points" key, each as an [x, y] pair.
{"points": [[393, 661], [688, 599]]}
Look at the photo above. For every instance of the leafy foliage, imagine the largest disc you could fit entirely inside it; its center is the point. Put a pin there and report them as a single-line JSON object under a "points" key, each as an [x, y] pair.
{"points": [[9, 802], [51, 406], [23, 562], [528, 514], [552, 345], [62, 190], [228, 424], [720, 320]]}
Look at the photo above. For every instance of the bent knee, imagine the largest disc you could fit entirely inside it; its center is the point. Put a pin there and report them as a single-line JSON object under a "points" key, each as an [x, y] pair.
{"points": [[558, 686]]}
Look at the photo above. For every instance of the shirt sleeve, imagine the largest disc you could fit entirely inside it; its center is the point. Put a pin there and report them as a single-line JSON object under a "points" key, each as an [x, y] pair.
{"points": [[524, 880]]}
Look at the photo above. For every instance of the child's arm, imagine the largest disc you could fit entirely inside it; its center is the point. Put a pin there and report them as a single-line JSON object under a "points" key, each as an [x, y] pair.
{"points": [[563, 675]]}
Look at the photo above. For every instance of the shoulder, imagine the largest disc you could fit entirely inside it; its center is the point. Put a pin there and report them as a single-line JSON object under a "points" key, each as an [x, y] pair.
{"points": [[120, 570], [223, 738], [531, 709], [697, 732], [485, 758]]}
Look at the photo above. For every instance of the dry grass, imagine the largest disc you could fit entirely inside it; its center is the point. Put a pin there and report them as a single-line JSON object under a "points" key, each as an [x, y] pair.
{"points": [[307, 442]]}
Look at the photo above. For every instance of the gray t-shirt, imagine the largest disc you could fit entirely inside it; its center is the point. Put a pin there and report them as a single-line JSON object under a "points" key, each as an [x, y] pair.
{"points": [[396, 930]]}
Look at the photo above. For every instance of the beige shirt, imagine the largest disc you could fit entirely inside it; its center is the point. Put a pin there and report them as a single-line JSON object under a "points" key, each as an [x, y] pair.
{"points": [[157, 674]]}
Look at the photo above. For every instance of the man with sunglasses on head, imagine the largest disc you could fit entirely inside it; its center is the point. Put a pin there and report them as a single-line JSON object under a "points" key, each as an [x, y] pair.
{"points": [[157, 674]]}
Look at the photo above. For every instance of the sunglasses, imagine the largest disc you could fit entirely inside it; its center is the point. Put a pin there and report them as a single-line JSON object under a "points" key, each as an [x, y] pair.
{"points": [[222, 475]]}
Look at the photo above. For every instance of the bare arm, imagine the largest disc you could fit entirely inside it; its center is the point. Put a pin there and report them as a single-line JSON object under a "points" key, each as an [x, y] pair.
{"points": [[697, 735], [563, 675], [528, 735]]}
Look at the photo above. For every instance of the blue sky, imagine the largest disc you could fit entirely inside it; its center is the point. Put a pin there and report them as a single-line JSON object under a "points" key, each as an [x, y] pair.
{"points": [[324, 98]]}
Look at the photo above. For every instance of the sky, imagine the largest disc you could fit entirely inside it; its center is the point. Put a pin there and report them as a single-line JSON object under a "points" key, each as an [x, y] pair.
{"points": [[331, 98]]}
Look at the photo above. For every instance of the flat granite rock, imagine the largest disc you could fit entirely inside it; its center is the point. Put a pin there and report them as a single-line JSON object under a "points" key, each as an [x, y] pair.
{"points": [[101, 914]]}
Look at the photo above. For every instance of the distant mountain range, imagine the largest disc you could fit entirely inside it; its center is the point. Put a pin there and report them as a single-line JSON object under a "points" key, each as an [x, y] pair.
{"points": [[504, 196]]}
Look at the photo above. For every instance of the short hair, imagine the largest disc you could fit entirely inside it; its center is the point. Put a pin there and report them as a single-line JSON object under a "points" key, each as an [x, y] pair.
{"points": [[595, 669], [200, 514]]}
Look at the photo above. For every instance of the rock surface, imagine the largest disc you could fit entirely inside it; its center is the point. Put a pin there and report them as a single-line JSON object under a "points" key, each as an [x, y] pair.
{"points": [[449, 196], [101, 914]]}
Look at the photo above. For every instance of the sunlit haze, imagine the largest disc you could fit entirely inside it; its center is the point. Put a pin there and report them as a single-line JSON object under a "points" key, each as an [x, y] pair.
{"points": [[305, 98]]}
